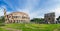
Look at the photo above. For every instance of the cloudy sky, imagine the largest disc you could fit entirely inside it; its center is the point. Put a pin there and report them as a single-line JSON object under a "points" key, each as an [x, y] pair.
{"points": [[35, 8]]}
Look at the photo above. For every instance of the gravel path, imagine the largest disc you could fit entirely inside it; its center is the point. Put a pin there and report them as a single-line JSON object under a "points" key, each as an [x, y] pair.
{"points": [[11, 29]]}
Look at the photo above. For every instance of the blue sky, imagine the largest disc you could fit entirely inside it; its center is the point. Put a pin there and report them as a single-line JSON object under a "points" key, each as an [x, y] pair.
{"points": [[35, 8]]}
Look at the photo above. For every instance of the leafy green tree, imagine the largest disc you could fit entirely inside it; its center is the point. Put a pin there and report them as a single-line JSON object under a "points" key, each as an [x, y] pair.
{"points": [[2, 20], [58, 19], [37, 20]]}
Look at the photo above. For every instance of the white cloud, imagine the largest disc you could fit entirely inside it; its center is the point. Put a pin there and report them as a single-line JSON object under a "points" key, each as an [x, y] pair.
{"points": [[29, 7], [56, 10], [1, 12], [8, 13], [32, 3]]}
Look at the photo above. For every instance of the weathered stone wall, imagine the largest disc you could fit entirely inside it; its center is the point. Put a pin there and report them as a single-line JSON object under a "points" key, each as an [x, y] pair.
{"points": [[49, 17], [17, 17]]}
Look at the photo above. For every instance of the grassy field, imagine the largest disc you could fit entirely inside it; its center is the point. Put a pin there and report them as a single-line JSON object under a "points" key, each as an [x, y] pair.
{"points": [[31, 27]]}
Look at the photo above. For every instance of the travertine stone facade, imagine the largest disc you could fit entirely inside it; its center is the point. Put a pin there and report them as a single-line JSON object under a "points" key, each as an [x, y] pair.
{"points": [[17, 17], [49, 17]]}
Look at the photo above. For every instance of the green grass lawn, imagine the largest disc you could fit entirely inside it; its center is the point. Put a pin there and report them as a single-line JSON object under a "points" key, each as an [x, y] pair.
{"points": [[32, 27]]}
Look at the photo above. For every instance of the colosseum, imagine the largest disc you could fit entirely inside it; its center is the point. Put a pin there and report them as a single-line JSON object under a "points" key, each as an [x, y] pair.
{"points": [[16, 17]]}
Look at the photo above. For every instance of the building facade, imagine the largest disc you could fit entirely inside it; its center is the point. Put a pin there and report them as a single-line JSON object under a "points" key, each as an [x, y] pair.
{"points": [[16, 17], [49, 17]]}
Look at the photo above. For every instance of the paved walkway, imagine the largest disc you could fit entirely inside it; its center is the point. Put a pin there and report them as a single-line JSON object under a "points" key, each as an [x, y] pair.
{"points": [[11, 29], [56, 30]]}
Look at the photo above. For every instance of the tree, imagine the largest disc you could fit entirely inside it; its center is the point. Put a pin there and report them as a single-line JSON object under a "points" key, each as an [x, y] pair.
{"points": [[58, 19], [37, 20], [2, 20]]}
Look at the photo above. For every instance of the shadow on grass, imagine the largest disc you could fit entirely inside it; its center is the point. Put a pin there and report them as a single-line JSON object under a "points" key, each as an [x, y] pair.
{"points": [[2, 24]]}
